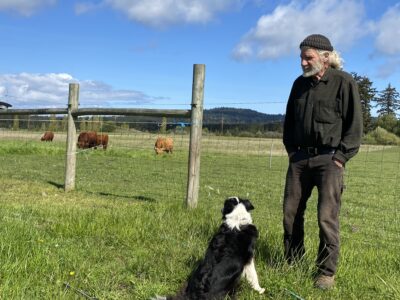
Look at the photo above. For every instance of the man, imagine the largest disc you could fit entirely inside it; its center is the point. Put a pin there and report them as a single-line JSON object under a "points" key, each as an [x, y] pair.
{"points": [[322, 131]]}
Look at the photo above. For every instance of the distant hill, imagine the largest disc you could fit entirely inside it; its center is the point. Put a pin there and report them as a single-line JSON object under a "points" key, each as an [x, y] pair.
{"points": [[230, 115], [222, 120]]}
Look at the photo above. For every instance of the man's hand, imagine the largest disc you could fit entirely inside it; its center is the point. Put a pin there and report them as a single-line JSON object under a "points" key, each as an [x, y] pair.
{"points": [[338, 163]]}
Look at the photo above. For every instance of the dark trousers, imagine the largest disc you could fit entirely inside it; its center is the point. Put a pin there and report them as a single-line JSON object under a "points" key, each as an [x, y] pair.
{"points": [[305, 172]]}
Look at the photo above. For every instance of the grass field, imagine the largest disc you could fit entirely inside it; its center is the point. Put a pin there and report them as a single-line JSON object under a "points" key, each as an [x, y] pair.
{"points": [[124, 233]]}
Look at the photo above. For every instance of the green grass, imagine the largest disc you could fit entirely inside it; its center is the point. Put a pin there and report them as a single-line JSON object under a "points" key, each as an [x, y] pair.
{"points": [[124, 233]]}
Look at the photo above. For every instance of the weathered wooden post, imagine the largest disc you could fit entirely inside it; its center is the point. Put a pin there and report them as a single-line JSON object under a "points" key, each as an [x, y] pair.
{"points": [[195, 135], [70, 159]]}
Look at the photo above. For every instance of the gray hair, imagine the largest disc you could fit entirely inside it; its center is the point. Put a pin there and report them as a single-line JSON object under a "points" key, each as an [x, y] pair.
{"points": [[334, 59]]}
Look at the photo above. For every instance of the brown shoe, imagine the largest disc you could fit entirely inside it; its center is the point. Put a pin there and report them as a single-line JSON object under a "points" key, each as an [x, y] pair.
{"points": [[324, 282]]}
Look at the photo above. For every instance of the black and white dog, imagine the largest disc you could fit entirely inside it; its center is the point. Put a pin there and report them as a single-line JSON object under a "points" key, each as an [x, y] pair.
{"points": [[230, 255]]}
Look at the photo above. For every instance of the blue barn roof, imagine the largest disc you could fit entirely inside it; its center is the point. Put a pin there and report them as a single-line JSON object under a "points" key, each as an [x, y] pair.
{"points": [[4, 105]]}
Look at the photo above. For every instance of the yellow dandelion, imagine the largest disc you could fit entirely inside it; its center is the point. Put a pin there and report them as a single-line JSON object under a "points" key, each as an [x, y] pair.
{"points": [[72, 273]]}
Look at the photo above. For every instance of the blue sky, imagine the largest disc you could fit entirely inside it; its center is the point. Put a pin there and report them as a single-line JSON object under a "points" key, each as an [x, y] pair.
{"points": [[140, 53]]}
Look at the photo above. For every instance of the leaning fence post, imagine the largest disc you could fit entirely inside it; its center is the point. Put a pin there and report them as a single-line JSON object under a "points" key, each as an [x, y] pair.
{"points": [[195, 135], [70, 159]]}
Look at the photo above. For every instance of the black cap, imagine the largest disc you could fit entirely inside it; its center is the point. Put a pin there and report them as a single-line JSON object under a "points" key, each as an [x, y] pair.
{"points": [[317, 41]]}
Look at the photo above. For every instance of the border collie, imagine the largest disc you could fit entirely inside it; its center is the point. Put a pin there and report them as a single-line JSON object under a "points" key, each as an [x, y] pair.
{"points": [[230, 255]]}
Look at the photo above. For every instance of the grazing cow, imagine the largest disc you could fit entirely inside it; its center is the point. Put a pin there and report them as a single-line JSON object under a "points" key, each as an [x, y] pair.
{"points": [[48, 136], [87, 139], [164, 145], [102, 140]]}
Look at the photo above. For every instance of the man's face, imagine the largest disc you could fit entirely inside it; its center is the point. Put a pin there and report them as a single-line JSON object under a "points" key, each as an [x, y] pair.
{"points": [[311, 62]]}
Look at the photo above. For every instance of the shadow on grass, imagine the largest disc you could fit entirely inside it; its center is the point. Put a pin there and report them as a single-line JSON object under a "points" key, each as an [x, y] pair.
{"points": [[271, 254], [57, 185], [138, 197]]}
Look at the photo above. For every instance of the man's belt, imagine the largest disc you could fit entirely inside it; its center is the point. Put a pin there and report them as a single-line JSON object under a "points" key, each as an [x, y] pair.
{"points": [[317, 150]]}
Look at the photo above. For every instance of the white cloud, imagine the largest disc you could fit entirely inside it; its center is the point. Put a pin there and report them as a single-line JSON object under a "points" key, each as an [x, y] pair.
{"points": [[387, 44], [24, 7], [26, 90], [388, 32], [280, 33], [160, 13]]}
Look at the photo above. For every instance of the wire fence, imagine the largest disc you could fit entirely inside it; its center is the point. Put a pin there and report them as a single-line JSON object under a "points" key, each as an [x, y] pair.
{"points": [[253, 167], [375, 169]]}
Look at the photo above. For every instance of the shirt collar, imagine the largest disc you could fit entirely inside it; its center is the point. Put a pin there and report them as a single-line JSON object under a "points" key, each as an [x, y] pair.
{"points": [[324, 78], [327, 75]]}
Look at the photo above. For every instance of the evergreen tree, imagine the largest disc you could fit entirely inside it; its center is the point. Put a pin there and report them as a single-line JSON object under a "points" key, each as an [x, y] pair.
{"points": [[53, 123], [64, 124], [367, 95], [96, 123], [388, 101], [163, 126], [82, 125], [16, 122], [109, 126]]}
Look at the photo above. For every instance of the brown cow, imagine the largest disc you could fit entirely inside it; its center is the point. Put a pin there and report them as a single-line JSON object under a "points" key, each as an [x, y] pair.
{"points": [[47, 136], [102, 140], [87, 139], [164, 145]]}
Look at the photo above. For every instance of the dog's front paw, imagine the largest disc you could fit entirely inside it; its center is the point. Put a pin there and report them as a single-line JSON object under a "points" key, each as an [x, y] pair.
{"points": [[260, 290]]}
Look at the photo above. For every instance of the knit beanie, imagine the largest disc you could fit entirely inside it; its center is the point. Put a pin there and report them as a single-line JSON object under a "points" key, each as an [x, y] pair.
{"points": [[317, 41]]}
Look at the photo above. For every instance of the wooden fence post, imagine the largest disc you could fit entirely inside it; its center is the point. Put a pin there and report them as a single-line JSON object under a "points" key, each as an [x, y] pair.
{"points": [[195, 135], [70, 159]]}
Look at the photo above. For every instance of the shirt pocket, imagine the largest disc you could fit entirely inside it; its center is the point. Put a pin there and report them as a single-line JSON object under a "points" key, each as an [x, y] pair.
{"points": [[327, 111]]}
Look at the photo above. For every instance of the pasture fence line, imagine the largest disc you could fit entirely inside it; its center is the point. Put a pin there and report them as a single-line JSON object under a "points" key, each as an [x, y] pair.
{"points": [[73, 112]]}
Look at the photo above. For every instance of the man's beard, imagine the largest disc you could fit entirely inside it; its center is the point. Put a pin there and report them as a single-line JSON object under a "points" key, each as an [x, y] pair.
{"points": [[313, 69]]}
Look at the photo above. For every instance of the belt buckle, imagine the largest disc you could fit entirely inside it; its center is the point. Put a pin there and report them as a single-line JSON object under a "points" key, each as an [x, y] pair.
{"points": [[312, 150]]}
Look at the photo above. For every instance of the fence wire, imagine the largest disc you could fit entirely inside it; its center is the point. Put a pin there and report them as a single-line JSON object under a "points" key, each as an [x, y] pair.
{"points": [[374, 170], [253, 167]]}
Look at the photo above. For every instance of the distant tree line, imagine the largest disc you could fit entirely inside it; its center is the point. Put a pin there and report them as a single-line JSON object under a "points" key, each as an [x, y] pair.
{"points": [[387, 104], [217, 121], [230, 121]]}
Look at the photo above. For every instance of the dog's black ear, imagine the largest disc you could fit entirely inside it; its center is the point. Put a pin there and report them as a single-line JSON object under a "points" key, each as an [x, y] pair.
{"points": [[229, 205], [247, 204]]}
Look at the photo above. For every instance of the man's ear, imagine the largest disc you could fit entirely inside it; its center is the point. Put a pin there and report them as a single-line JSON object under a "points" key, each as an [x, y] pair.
{"points": [[326, 56]]}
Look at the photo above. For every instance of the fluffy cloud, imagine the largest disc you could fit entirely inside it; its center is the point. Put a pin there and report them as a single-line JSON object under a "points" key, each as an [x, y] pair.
{"points": [[387, 44], [158, 13], [24, 7], [279, 33], [51, 90], [388, 32]]}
